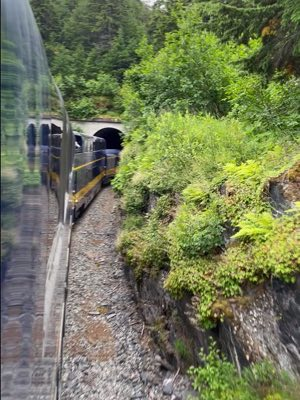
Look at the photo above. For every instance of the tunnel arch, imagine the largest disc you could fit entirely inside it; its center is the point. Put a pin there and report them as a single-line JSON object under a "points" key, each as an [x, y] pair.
{"points": [[112, 136]]}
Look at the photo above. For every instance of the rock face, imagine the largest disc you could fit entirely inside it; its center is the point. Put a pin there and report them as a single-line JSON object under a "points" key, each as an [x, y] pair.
{"points": [[172, 323], [284, 190], [265, 324]]}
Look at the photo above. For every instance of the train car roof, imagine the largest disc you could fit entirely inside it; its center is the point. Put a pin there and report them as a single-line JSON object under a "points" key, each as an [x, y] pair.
{"points": [[84, 136]]}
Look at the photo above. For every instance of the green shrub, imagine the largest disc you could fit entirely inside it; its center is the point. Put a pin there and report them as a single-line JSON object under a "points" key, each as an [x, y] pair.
{"points": [[196, 194], [90, 98], [277, 255], [135, 199], [82, 108], [174, 150], [162, 208], [217, 378], [104, 85], [144, 247], [272, 107], [195, 277], [127, 167], [273, 252], [176, 77], [194, 234], [133, 222], [243, 190]]}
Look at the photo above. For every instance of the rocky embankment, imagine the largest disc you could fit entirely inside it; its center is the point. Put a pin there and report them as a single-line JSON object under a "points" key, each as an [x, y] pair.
{"points": [[263, 323], [108, 352]]}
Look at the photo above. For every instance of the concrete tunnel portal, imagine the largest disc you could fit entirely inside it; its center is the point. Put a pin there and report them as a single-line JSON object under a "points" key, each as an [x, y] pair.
{"points": [[112, 136]]}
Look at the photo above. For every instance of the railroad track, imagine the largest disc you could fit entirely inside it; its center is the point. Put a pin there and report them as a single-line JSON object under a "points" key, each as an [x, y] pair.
{"points": [[107, 352]]}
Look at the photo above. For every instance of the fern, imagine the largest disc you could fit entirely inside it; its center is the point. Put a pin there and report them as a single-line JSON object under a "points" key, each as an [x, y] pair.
{"points": [[255, 226]]}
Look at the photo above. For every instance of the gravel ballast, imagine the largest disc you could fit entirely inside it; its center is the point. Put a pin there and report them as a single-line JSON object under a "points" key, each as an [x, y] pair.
{"points": [[107, 351]]}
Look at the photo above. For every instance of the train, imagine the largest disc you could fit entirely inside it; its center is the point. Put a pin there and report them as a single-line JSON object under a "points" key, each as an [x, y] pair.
{"points": [[93, 166], [49, 176]]}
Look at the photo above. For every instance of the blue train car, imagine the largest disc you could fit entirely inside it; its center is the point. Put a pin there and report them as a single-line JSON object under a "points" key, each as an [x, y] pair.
{"points": [[88, 171]]}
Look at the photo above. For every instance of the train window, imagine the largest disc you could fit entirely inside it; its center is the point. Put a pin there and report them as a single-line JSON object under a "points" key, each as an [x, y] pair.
{"points": [[36, 204], [44, 134], [98, 145], [55, 129], [78, 144]]}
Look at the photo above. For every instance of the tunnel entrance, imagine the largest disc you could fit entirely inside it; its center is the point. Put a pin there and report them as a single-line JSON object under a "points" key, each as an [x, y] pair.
{"points": [[112, 136]]}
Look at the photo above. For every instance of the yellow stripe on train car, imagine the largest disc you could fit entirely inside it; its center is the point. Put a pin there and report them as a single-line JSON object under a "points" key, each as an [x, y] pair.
{"points": [[89, 163], [82, 192]]}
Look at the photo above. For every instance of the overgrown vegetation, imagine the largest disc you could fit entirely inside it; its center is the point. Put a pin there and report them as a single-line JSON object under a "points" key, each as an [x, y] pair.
{"points": [[206, 135], [218, 379]]}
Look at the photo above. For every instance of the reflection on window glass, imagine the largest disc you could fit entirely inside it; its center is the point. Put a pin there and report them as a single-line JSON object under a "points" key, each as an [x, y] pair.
{"points": [[33, 208]]}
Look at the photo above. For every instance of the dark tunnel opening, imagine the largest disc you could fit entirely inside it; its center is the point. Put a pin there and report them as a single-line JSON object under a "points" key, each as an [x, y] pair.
{"points": [[112, 136]]}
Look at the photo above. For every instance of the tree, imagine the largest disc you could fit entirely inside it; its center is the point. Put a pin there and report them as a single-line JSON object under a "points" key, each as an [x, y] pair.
{"points": [[163, 19], [276, 22], [85, 38]]}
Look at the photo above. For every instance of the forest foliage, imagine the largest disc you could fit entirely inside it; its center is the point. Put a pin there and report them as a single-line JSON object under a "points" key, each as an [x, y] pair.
{"points": [[89, 45], [206, 135], [89, 42]]}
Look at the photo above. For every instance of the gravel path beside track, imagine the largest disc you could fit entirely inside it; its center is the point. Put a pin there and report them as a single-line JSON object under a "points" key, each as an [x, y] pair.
{"points": [[107, 352]]}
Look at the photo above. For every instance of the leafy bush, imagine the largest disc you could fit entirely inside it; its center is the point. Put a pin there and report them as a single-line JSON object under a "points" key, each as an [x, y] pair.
{"points": [[103, 84], [177, 77], [83, 108], [195, 277], [178, 149], [278, 254], [135, 199], [127, 167], [272, 107], [195, 234], [242, 190], [163, 208], [274, 252], [144, 247], [133, 222], [89, 98], [196, 194], [217, 378]]}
